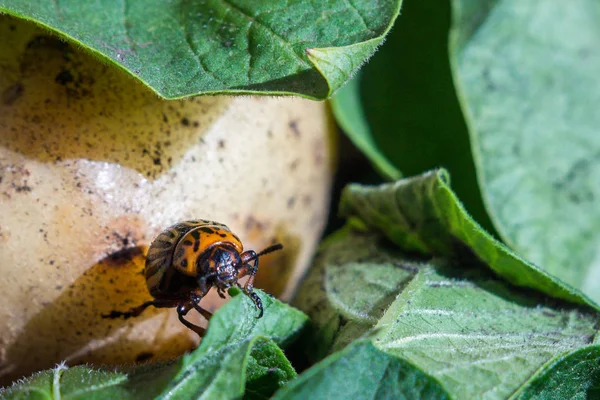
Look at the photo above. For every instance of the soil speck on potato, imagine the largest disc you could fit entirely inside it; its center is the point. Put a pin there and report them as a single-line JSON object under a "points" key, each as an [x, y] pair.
{"points": [[293, 124], [12, 94], [144, 356]]}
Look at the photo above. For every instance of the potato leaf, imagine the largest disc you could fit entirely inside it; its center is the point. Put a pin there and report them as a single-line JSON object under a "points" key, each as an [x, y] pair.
{"points": [[440, 300], [402, 109], [480, 337], [460, 324], [359, 372], [527, 74], [184, 48], [237, 347], [575, 375], [423, 214], [354, 278]]}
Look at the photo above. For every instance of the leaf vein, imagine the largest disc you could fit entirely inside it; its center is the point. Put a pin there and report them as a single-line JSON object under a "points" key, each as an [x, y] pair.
{"points": [[285, 43], [362, 19], [198, 57]]}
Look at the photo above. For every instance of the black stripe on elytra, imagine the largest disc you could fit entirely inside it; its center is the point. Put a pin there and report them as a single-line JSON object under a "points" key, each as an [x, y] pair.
{"points": [[188, 243], [196, 245], [206, 229], [195, 234], [162, 244]]}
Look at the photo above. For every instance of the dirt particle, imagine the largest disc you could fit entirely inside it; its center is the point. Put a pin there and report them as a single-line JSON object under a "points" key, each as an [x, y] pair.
{"points": [[293, 124], [146, 355], [123, 256], [21, 188], [10, 95], [221, 144], [64, 77], [294, 164], [253, 223], [306, 200], [291, 201]]}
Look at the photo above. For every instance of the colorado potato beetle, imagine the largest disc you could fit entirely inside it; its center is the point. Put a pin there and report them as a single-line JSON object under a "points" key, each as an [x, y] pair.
{"points": [[189, 258]]}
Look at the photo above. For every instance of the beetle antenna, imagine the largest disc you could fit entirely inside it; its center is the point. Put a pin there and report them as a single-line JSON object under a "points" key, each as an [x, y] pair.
{"points": [[268, 250]]}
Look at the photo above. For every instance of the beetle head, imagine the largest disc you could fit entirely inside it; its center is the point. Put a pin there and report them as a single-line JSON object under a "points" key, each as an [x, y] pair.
{"points": [[226, 260]]}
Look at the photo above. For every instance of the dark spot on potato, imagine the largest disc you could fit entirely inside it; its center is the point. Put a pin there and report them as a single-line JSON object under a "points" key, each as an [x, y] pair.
{"points": [[185, 122], [64, 77], [294, 164], [291, 202], [123, 256], [11, 94], [146, 355], [306, 200], [293, 124], [221, 144], [23, 188], [253, 223], [47, 41]]}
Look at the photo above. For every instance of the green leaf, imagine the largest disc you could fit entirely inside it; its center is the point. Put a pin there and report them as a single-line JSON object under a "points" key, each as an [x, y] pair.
{"points": [[423, 214], [184, 48], [354, 279], [446, 299], [362, 372], [528, 79], [349, 112], [267, 371], [475, 334], [453, 320], [402, 111], [236, 348], [575, 375]]}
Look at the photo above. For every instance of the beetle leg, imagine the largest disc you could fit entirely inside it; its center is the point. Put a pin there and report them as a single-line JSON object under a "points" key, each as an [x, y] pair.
{"points": [[195, 299], [255, 299], [203, 284], [135, 311], [248, 268], [182, 309]]}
